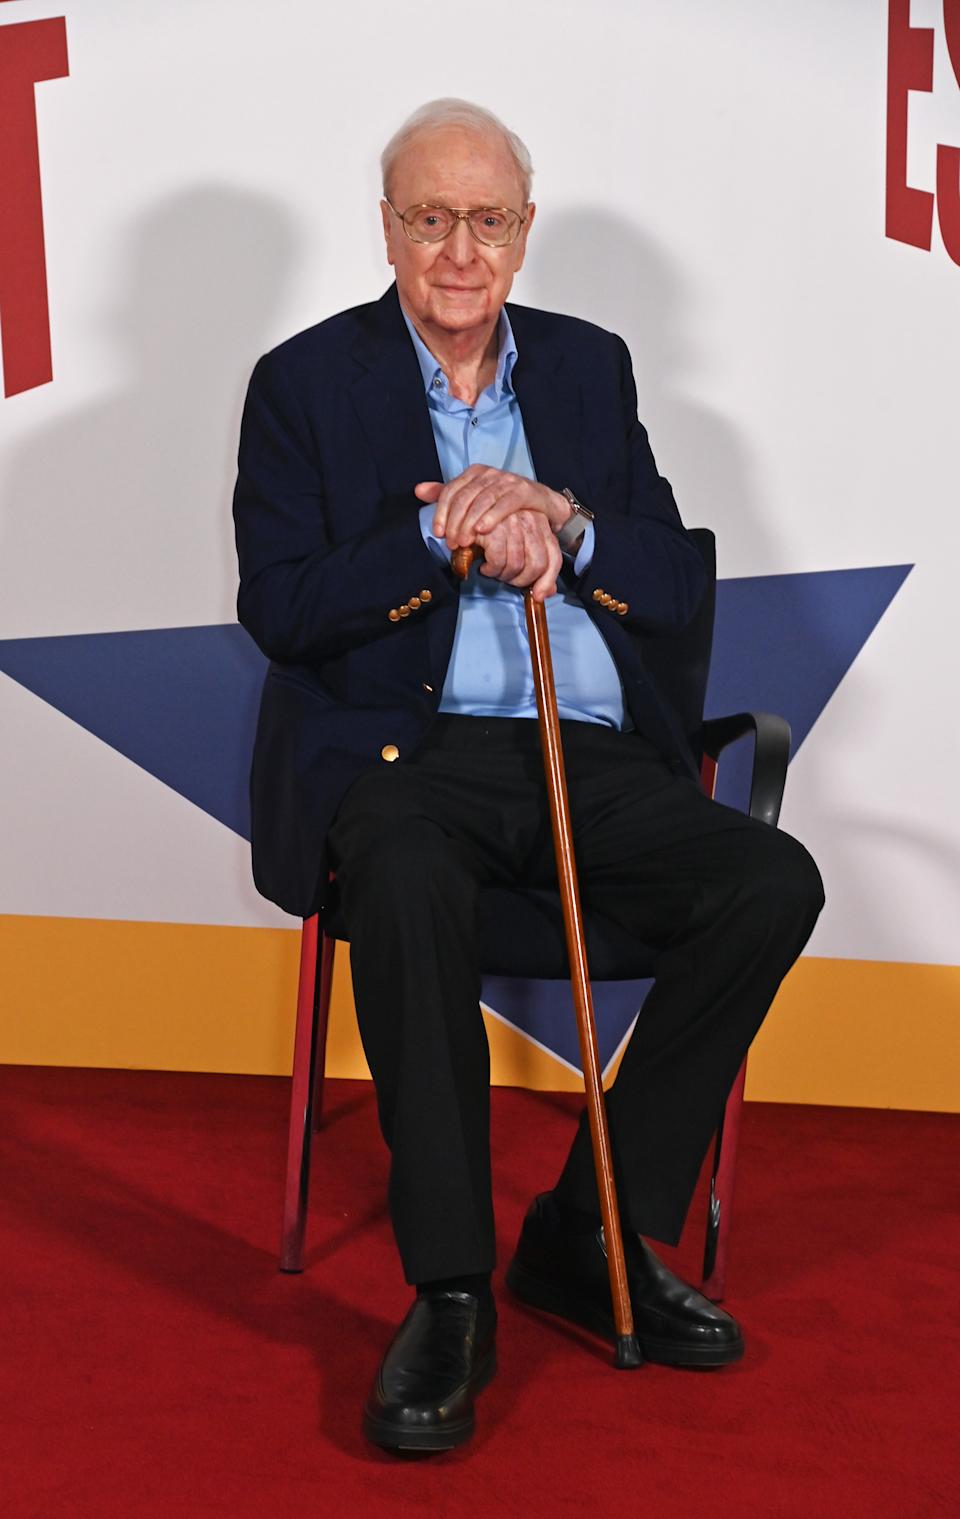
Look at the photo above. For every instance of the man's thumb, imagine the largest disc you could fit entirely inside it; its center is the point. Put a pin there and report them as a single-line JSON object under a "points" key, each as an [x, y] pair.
{"points": [[428, 490]]}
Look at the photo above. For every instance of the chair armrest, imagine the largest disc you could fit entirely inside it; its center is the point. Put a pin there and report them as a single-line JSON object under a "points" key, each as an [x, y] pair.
{"points": [[770, 757]]}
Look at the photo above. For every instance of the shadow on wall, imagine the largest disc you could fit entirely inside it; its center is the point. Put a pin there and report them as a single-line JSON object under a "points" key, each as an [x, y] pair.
{"points": [[592, 264], [133, 489]]}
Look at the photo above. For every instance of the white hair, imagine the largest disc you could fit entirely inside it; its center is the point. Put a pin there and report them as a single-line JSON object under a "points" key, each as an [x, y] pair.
{"points": [[438, 114]]}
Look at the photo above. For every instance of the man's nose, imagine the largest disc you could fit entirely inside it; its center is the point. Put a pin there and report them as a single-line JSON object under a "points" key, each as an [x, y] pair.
{"points": [[460, 246]]}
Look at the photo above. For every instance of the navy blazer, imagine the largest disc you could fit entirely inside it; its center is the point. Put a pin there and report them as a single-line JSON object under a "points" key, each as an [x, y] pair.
{"points": [[336, 433]]}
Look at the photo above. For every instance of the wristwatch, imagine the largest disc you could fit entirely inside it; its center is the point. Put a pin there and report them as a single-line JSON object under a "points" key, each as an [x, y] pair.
{"points": [[571, 534]]}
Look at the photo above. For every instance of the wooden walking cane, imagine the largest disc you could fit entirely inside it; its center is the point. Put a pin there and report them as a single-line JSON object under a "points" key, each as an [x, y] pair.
{"points": [[628, 1352]]}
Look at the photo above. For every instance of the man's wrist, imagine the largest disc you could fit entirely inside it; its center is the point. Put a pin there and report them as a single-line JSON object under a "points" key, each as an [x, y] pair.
{"points": [[562, 514]]}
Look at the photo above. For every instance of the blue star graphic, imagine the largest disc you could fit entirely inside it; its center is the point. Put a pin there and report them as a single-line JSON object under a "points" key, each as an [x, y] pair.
{"points": [[182, 704]]}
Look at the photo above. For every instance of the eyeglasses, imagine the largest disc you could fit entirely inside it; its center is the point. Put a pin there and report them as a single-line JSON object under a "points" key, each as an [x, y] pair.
{"points": [[496, 226]]}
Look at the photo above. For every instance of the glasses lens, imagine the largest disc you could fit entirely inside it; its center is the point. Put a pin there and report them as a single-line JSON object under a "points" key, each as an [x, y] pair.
{"points": [[494, 226], [428, 224]]}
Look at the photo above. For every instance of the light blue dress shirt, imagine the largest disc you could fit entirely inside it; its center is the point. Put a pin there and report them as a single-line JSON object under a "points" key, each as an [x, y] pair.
{"points": [[490, 674]]}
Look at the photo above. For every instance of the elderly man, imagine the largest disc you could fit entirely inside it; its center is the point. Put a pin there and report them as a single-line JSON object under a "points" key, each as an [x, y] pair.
{"points": [[397, 744]]}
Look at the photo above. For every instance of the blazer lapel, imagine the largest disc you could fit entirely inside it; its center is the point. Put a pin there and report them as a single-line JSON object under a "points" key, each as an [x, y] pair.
{"points": [[548, 390], [390, 403], [393, 412], [392, 408]]}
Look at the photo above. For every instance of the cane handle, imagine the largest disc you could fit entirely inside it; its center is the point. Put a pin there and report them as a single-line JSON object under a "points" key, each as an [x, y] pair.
{"points": [[463, 558]]}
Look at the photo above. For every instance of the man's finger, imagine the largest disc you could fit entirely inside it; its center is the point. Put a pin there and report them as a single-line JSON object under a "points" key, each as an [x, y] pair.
{"points": [[490, 494], [546, 584], [466, 503], [491, 510], [515, 500], [494, 555], [428, 490], [548, 559], [534, 551], [466, 496], [516, 551], [544, 588], [525, 495], [453, 501]]}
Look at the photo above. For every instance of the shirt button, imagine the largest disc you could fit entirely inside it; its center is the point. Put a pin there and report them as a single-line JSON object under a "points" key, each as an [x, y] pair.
{"points": [[438, 382], [389, 752], [474, 421]]}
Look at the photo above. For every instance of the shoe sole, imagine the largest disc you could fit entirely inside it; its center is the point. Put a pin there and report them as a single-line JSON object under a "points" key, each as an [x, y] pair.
{"points": [[398, 1437], [553, 1297]]}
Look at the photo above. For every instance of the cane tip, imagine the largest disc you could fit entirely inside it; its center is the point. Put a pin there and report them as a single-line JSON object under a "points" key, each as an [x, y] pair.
{"points": [[628, 1353]]}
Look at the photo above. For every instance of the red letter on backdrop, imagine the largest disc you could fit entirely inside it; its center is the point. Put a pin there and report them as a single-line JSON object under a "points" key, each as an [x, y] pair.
{"points": [[29, 52], [948, 159], [909, 67]]}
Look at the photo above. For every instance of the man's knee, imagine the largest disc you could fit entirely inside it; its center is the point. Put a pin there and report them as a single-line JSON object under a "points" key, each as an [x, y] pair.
{"points": [[783, 877], [405, 854]]}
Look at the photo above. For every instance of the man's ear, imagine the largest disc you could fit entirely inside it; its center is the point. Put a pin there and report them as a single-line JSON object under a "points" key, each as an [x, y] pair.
{"points": [[387, 217], [524, 233]]}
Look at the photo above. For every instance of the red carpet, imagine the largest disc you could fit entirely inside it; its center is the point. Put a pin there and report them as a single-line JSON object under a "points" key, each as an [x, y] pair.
{"points": [[155, 1363]]}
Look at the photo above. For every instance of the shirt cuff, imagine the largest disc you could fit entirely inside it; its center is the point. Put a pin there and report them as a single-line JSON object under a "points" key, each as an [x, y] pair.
{"points": [[585, 551], [437, 546]]}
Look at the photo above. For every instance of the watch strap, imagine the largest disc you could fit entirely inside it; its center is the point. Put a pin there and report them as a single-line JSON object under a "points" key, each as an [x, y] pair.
{"points": [[570, 535]]}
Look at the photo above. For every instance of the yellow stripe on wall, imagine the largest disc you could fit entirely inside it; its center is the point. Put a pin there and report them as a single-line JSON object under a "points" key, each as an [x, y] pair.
{"points": [[168, 996], [161, 996], [862, 1034]]}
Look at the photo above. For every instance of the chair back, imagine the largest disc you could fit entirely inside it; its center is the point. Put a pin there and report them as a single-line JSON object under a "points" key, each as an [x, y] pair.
{"points": [[679, 663]]}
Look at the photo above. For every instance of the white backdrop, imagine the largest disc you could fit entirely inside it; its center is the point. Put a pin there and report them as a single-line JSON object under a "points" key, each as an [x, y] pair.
{"points": [[710, 183]]}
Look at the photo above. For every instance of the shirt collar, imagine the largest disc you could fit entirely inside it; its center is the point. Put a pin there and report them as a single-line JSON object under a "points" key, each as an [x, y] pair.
{"points": [[506, 358]]}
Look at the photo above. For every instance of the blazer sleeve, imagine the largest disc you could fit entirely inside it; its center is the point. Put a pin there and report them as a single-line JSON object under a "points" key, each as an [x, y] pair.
{"points": [[643, 556], [302, 597]]}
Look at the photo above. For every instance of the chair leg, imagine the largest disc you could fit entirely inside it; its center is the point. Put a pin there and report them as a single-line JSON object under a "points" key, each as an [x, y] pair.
{"points": [[720, 1209], [328, 948], [303, 1087]]}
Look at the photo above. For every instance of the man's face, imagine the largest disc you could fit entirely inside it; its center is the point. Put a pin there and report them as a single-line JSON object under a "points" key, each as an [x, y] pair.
{"points": [[458, 285]]}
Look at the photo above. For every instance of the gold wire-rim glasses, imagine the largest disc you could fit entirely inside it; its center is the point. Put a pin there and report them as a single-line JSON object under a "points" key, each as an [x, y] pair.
{"points": [[461, 214]]}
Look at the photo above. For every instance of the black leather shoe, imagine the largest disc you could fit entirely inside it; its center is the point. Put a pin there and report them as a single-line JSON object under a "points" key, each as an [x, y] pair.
{"points": [[440, 1357], [566, 1274]]}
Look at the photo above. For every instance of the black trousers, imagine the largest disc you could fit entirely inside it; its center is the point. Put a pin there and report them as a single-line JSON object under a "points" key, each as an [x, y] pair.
{"points": [[727, 902]]}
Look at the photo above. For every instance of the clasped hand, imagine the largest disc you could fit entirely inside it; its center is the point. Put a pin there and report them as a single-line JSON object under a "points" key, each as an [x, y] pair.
{"points": [[512, 519]]}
